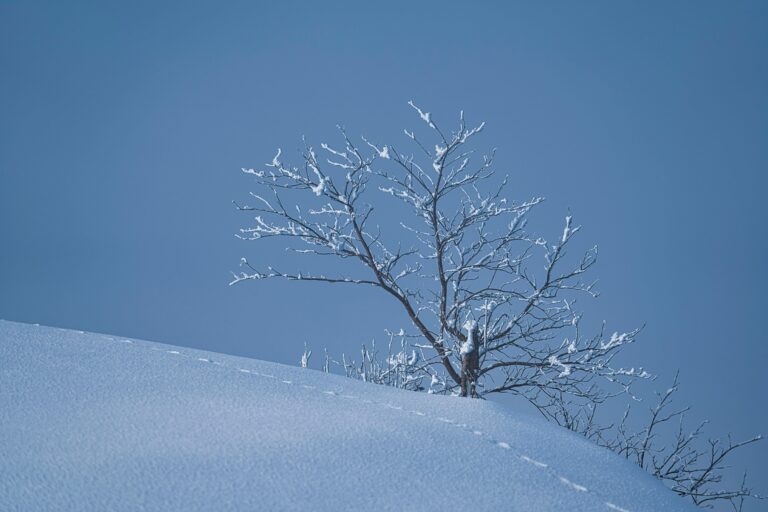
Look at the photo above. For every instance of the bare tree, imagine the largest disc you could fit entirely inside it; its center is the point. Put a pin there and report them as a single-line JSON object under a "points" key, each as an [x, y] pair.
{"points": [[493, 303]]}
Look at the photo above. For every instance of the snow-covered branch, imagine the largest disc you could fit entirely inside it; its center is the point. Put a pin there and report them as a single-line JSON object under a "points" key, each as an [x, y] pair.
{"points": [[466, 254]]}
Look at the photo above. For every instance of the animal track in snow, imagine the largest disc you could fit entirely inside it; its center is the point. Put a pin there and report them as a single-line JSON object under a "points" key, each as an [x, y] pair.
{"points": [[463, 426], [572, 485], [534, 462]]}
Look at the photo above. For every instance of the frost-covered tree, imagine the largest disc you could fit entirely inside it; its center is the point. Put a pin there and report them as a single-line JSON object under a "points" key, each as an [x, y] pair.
{"points": [[491, 303]]}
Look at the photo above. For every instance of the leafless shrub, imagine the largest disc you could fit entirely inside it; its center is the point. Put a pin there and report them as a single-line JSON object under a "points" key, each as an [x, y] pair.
{"points": [[690, 464]]}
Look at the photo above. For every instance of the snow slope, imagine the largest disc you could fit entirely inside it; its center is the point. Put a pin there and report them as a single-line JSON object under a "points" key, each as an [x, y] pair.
{"points": [[95, 422]]}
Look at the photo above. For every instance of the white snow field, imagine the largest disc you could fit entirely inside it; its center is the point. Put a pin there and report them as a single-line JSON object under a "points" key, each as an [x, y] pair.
{"points": [[90, 422]]}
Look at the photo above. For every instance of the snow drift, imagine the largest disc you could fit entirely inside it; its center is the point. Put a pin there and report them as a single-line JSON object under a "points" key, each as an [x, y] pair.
{"points": [[96, 422]]}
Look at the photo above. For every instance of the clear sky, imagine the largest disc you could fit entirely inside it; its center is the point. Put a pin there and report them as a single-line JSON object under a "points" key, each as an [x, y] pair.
{"points": [[123, 128]]}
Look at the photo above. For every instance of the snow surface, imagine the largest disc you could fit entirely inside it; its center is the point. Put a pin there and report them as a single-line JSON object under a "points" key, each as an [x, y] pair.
{"points": [[97, 422]]}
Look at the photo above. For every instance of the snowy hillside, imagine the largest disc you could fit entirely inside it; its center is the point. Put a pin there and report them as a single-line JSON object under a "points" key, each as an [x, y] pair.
{"points": [[90, 422]]}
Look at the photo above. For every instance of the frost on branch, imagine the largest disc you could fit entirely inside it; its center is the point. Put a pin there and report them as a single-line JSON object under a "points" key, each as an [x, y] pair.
{"points": [[469, 344], [460, 250]]}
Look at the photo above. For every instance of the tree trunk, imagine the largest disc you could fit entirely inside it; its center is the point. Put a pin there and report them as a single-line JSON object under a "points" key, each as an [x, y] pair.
{"points": [[470, 366]]}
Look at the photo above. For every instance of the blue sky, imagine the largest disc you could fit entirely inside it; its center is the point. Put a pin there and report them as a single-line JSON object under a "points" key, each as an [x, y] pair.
{"points": [[124, 126]]}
